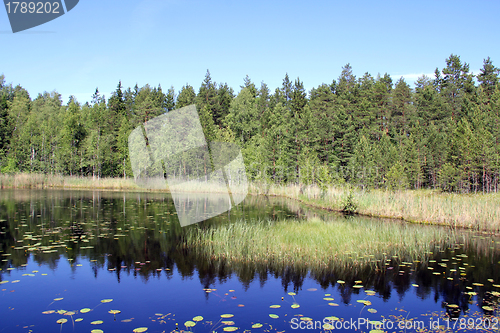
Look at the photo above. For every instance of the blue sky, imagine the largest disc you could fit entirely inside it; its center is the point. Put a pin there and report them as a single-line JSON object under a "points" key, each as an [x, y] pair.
{"points": [[174, 42]]}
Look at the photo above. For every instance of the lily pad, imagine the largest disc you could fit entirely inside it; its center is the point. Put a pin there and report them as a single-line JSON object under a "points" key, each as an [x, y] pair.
{"points": [[140, 330], [227, 315], [295, 306], [189, 323], [292, 293], [85, 310], [274, 316], [62, 321], [257, 325], [275, 306], [107, 300], [96, 322], [230, 329], [97, 331], [77, 320], [198, 318], [114, 312]]}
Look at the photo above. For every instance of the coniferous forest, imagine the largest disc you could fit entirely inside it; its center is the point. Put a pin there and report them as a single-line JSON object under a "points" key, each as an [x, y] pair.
{"points": [[372, 132]]}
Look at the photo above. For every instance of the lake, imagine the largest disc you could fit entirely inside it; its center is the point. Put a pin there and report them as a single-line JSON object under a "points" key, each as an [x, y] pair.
{"points": [[71, 257]]}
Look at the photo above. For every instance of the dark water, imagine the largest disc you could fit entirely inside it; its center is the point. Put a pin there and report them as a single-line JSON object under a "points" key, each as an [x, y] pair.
{"points": [[69, 250]]}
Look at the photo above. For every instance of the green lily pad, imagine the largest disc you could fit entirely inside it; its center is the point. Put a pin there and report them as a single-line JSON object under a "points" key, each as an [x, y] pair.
{"points": [[140, 330], [114, 312], [107, 300], [189, 323], [257, 325], [488, 308], [292, 293], [306, 319], [275, 306], [97, 331], [96, 322], [332, 318], [295, 306], [85, 310], [77, 320], [62, 321], [372, 310], [58, 299], [230, 329], [198, 318], [274, 316], [328, 298], [227, 315]]}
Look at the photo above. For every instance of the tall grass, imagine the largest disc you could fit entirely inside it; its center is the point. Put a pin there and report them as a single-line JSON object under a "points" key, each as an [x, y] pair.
{"points": [[34, 180], [473, 211], [315, 244]]}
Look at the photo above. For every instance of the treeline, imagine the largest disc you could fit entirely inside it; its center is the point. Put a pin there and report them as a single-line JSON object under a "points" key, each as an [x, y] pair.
{"points": [[368, 131]]}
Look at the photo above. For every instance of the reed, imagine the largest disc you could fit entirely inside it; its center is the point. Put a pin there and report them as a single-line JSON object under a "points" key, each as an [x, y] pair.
{"points": [[472, 211], [34, 180], [315, 244]]}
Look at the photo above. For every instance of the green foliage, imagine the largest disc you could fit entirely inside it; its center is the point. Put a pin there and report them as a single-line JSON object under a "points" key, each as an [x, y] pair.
{"points": [[349, 205], [371, 132], [396, 178]]}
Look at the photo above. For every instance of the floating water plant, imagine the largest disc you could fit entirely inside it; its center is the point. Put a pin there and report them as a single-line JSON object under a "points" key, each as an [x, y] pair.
{"points": [[140, 329], [114, 313]]}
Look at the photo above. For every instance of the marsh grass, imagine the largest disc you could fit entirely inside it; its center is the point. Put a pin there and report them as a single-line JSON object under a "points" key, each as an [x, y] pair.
{"points": [[315, 244], [34, 180], [473, 211]]}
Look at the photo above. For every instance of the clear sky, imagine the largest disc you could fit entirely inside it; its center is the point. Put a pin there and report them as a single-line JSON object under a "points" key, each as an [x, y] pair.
{"points": [[174, 42]]}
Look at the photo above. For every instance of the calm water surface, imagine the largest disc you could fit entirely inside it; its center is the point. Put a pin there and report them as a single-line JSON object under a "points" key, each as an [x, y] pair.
{"points": [[64, 251]]}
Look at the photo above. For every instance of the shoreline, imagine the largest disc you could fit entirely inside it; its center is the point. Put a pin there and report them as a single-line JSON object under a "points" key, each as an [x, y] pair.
{"points": [[477, 212]]}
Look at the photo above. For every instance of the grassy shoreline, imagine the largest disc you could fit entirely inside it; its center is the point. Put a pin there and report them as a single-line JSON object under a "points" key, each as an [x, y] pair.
{"points": [[470, 211]]}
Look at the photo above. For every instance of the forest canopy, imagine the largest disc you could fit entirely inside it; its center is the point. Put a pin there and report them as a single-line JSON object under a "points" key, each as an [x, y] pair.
{"points": [[372, 132]]}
